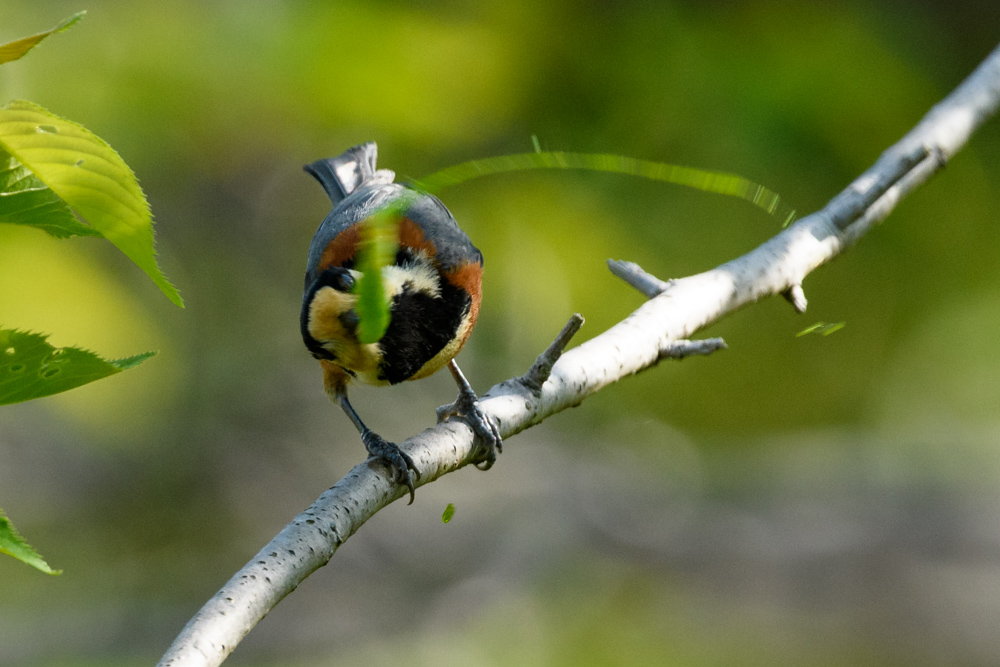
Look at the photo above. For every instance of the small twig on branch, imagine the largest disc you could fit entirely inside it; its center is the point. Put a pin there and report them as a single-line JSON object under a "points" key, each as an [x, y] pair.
{"points": [[635, 276], [678, 309], [795, 296], [689, 348], [542, 368]]}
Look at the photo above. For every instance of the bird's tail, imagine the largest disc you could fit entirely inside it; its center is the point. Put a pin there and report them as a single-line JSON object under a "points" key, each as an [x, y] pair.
{"points": [[342, 175]]}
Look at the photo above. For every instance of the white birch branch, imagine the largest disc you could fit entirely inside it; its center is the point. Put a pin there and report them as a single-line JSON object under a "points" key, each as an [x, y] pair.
{"points": [[655, 330]]}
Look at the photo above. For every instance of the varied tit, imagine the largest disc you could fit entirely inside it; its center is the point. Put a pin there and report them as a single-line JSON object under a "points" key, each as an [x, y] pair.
{"points": [[434, 287]]}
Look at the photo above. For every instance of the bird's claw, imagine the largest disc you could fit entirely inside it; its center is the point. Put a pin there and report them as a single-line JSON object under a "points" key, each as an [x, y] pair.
{"points": [[399, 462], [484, 425]]}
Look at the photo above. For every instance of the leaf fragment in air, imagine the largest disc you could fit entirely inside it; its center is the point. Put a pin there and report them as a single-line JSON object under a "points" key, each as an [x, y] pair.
{"points": [[19, 47], [822, 328], [449, 512]]}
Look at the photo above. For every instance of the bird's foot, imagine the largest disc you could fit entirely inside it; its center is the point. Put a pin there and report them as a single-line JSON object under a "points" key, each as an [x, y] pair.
{"points": [[399, 462], [484, 425]]}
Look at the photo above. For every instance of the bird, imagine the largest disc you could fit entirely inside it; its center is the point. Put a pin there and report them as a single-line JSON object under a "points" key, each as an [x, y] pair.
{"points": [[433, 287]]}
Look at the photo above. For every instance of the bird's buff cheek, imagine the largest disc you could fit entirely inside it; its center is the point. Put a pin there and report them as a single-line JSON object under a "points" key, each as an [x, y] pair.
{"points": [[324, 314], [327, 326]]}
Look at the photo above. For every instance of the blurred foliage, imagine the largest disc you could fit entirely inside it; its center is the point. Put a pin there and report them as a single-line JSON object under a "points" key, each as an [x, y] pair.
{"points": [[376, 250], [50, 164], [88, 175], [160, 489], [699, 179]]}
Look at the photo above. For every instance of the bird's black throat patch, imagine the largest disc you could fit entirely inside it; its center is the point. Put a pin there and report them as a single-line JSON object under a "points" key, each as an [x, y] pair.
{"points": [[421, 326]]}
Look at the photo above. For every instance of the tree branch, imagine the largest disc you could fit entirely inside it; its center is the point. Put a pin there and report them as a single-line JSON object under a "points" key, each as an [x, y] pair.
{"points": [[676, 310]]}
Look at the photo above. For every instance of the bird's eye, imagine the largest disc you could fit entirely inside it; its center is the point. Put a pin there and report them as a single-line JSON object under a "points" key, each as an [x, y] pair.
{"points": [[344, 282], [338, 278]]}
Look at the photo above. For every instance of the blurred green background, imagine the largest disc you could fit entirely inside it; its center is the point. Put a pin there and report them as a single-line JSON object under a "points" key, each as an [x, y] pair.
{"points": [[795, 501]]}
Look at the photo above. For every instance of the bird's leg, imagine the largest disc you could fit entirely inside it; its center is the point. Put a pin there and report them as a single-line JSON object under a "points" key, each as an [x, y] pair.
{"points": [[399, 462], [335, 381], [466, 406]]}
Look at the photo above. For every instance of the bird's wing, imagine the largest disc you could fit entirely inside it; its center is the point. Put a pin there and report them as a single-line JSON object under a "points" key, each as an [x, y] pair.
{"points": [[453, 249]]}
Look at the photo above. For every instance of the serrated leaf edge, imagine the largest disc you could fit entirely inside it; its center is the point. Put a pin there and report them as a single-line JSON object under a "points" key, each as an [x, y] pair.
{"points": [[40, 565]]}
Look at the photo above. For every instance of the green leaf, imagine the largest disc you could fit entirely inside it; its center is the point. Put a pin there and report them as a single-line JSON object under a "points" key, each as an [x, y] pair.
{"points": [[379, 240], [31, 368], [86, 173], [25, 200], [822, 328], [709, 181], [16, 49], [449, 512], [12, 544]]}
